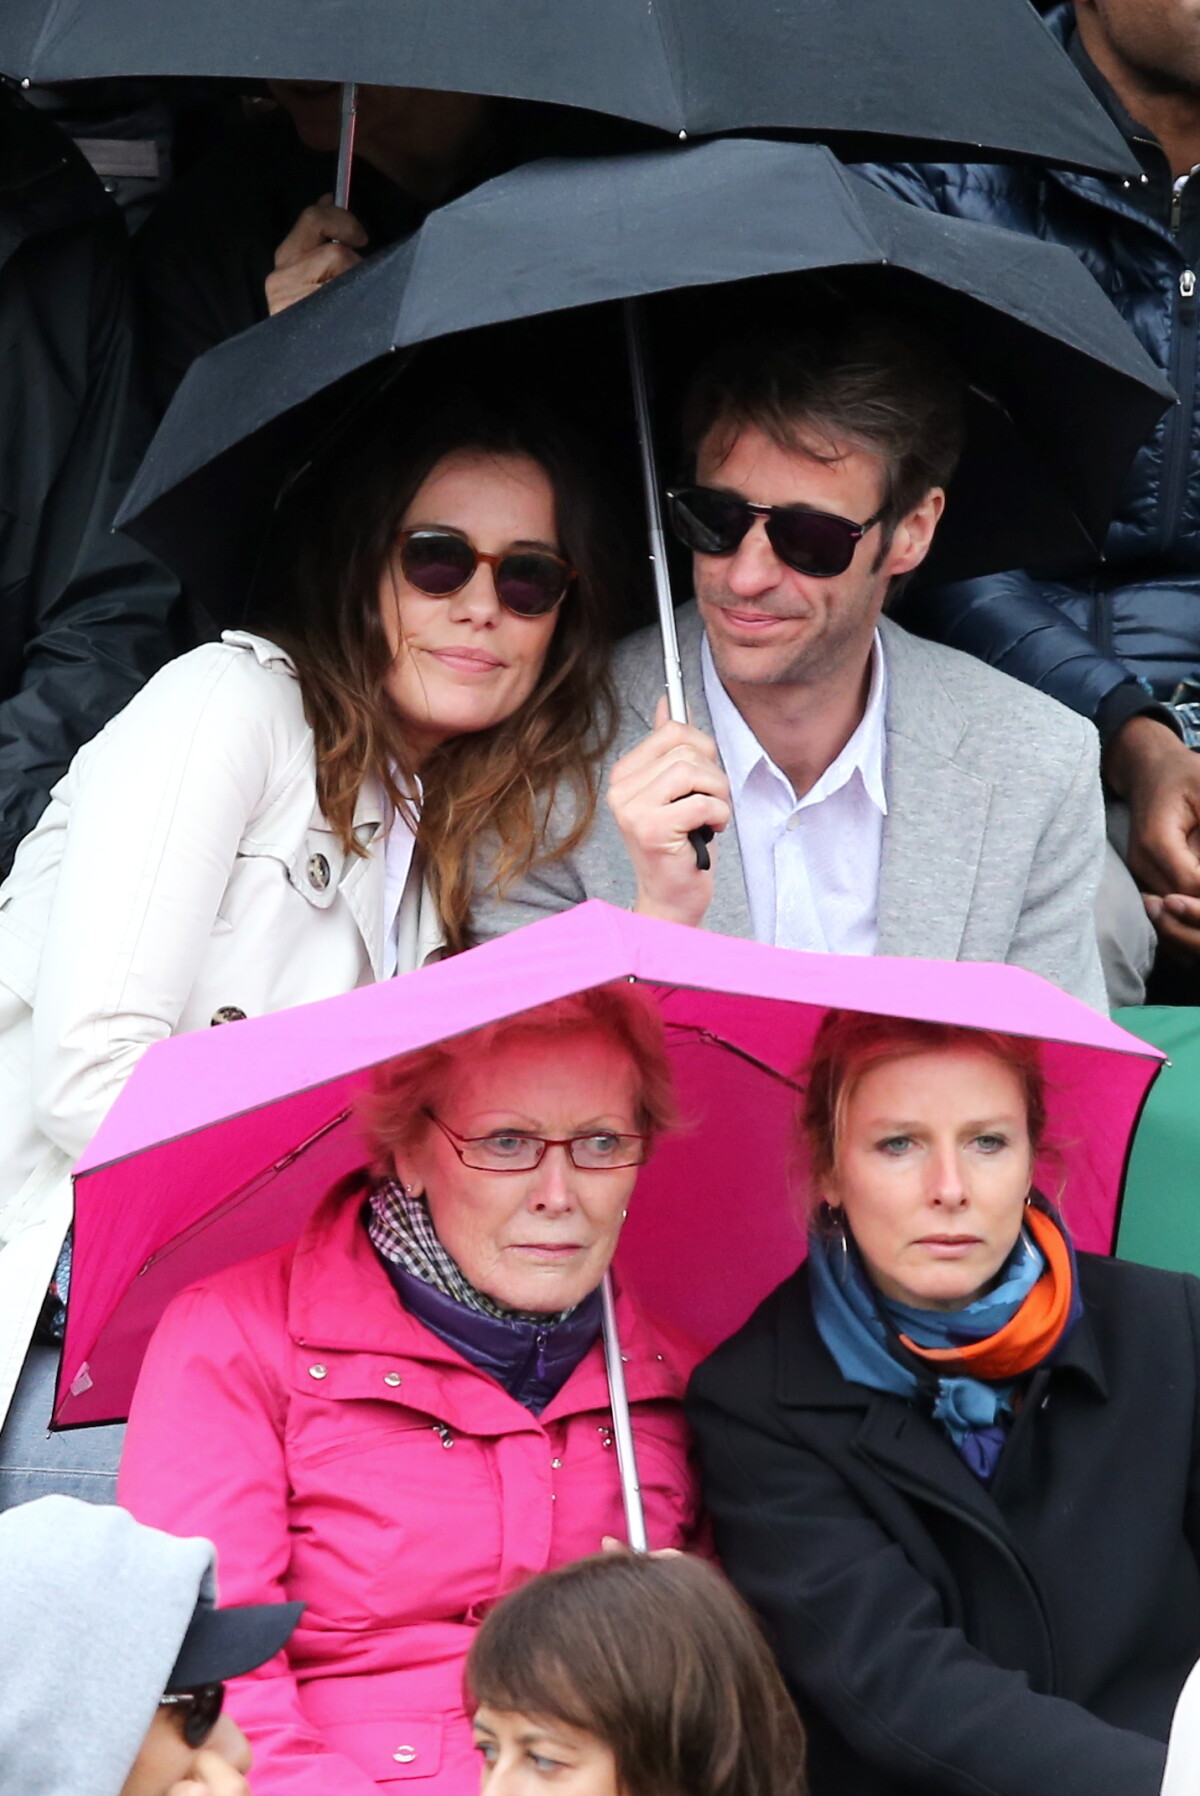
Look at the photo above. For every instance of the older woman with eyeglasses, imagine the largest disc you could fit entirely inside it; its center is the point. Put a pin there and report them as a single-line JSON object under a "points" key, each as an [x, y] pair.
{"points": [[405, 1416]]}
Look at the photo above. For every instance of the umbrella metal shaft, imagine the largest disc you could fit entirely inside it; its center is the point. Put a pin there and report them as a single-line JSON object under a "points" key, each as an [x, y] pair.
{"points": [[614, 1365], [341, 184], [635, 340], [673, 667]]}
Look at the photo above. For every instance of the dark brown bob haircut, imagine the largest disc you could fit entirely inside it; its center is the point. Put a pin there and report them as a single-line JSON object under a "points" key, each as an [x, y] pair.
{"points": [[836, 383], [659, 1659], [319, 599]]}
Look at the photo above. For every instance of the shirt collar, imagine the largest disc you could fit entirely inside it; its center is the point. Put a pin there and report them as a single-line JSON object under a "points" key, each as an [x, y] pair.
{"points": [[742, 754]]}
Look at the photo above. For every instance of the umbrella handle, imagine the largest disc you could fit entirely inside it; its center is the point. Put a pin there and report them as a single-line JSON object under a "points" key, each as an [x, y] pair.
{"points": [[614, 1365], [341, 184], [676, 702]]}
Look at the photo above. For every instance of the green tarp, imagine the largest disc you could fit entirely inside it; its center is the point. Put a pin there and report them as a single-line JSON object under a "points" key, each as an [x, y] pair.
{"points": [[1160, 1217]]}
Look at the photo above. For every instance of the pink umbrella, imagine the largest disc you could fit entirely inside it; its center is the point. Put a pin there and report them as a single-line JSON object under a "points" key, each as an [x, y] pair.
{"points": [[222, 1141]]}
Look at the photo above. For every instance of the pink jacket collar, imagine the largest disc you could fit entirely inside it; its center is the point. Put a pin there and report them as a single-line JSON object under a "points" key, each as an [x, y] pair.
{"points": [[341, 1301]]}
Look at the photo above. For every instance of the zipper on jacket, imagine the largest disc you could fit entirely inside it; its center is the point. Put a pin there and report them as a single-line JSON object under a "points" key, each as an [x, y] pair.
{"points": [[1181, 359], [1177, 445]]}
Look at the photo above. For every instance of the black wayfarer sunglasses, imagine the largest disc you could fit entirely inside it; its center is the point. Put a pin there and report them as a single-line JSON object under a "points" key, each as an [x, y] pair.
{"points": [[200, 1710], [811, 542], [529, 582]]}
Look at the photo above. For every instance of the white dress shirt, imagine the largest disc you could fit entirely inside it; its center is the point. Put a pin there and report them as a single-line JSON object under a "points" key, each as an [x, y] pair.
{"points": [[811, 864]]}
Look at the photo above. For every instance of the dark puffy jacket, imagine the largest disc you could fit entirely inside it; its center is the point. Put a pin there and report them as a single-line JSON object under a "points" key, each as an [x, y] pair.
{"points": [[85, 616], [1087, 639]]}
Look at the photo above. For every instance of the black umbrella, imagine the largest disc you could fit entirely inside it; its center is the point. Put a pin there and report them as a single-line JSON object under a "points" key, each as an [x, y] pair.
{"points": [[1061, 393], [954, 77]]}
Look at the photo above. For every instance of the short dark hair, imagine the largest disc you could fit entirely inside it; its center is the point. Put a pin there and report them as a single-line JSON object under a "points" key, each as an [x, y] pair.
{"points": [[856, 380], [659, 1659]]}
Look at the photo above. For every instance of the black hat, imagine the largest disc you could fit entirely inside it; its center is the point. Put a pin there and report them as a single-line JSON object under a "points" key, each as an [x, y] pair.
{"points": [[223, 1643]]}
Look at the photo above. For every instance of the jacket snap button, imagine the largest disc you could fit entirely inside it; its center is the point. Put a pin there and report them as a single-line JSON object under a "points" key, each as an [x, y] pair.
{"points": [[404, 1755], [392, 1378], [228, 1013], [318, 1371], [318, 871]]}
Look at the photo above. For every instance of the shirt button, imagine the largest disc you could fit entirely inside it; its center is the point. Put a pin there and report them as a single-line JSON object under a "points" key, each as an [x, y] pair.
{"points": [[317, 1371], [318, 871], [556, 1464], [404, 1755], [392, 1378], [792, 822]]}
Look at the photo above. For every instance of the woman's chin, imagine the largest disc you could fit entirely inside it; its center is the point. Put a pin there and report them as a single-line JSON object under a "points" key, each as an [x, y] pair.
{"points": [[542, 1291]]}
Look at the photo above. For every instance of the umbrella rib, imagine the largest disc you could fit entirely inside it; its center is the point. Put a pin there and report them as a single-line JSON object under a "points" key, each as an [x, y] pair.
{"points": [[718, 1041], [244, 1190]]}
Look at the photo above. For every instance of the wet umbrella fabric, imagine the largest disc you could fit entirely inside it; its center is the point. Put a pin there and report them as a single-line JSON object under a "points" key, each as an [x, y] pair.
{"points": [[972, 76], [1075, 394], [223, 1141]]}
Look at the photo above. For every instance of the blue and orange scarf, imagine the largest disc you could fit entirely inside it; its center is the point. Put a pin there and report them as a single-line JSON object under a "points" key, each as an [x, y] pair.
{"points": [[966, 1363]]}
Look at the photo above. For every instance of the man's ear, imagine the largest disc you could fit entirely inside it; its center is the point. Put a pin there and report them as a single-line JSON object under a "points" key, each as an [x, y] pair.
{"points": [[913, 534]]}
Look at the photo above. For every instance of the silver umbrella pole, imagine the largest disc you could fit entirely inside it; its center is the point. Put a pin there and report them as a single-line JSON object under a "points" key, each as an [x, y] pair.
{"points": [[635, 344], [631, 1490], [341, 184]]}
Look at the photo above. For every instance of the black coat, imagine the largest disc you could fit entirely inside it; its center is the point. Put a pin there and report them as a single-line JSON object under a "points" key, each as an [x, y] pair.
{"points": [[1081, 637], [941, 1636], [85, 616]]}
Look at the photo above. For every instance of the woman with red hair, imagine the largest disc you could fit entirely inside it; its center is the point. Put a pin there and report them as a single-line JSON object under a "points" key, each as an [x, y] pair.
{"points": [[952, 1464], [405, 1415]]}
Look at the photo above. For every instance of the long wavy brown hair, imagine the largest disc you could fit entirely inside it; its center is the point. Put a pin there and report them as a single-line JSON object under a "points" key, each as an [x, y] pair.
{"points": [[486, 794]]}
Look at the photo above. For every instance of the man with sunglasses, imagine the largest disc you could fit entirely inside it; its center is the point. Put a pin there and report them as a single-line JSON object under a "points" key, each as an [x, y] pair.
{"points": [[886, 795], [113, 1658]]}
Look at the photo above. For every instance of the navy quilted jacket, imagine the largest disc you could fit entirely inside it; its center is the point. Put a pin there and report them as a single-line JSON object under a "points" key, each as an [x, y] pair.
{"points": [[1099, 640]]}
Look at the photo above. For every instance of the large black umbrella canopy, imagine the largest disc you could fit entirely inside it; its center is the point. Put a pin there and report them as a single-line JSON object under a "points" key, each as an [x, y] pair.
{"points": [[955, 77], [1061, 392]]}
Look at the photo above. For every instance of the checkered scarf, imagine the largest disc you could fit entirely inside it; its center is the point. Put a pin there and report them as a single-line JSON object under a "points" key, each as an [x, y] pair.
{"points": [[402, 1231]]}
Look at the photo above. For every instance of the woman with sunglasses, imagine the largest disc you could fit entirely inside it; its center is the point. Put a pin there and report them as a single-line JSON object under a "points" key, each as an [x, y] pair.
{"points": [[405, 1415], [285, 815]]}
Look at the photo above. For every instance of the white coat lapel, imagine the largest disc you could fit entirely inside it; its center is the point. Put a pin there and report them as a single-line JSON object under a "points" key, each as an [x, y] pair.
{"points": [[937, 812], [363, 876]]}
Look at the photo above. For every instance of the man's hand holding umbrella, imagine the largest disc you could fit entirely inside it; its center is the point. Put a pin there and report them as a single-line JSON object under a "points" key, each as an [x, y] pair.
{"points": [[670, 785]]}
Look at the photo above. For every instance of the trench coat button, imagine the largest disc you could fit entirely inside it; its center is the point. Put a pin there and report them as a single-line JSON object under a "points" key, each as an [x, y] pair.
{"points": [[228, 1013], [318, 1371], [318, 871], [392, 1378], [404, 1755]]}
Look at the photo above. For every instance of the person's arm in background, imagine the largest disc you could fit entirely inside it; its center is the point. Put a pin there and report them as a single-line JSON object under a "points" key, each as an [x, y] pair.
{"points": [[86, 616], [204, 1455], [1013, 622]]}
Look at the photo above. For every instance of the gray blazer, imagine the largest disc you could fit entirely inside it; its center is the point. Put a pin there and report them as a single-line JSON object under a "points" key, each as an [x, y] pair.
{"points": [[994, 840]]}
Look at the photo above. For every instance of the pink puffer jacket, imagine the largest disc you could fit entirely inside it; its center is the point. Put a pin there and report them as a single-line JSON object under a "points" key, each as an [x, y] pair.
{"points": [[291, 1410]]}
